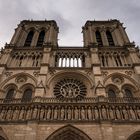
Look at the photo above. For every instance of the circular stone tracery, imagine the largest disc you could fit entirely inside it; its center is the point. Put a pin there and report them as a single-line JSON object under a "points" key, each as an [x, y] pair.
{"points": [[70, 89]]}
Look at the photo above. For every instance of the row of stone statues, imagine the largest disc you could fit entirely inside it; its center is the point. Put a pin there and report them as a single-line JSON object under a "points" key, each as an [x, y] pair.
{"points": [[89, 113]]}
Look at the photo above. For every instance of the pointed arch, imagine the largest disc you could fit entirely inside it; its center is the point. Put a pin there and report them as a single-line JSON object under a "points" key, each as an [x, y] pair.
{"points": [[29, 38], [134, 136], [3, 135], [68, 132], [117, 74], [110, 38], [99, 38], [40, 39], [3, 85]]}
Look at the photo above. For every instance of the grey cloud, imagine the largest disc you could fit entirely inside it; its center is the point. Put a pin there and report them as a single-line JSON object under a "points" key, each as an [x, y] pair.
{"points": [[70, 15]]}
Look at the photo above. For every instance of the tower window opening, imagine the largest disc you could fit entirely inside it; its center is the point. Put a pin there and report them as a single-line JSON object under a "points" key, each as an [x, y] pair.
{"points": [[110, 39], [29, 39], [40, 39], [99, 39]]}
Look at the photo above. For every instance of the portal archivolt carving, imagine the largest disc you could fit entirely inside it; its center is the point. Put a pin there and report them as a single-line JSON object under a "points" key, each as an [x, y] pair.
{"points": [[68, 132]]}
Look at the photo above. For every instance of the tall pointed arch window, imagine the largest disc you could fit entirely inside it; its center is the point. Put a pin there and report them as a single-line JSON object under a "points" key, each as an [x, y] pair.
{"points": [[41, 39], [109, 38], [29, 38], [9, 95], [99, 38], [27, 95]]}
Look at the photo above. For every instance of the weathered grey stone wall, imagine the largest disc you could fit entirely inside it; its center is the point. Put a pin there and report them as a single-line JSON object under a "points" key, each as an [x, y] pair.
{"points": [[35, 131]]}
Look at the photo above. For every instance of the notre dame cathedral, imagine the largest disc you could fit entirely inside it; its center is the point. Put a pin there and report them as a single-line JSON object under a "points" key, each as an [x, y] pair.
{"points": [[49, 92]]}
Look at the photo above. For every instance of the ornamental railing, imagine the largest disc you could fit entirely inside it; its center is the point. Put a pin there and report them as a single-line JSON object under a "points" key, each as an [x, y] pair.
{"points": [[71, 100]]}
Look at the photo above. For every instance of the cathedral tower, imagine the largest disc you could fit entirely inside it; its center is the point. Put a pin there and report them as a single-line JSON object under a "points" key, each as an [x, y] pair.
{"points": [[49, 92]]}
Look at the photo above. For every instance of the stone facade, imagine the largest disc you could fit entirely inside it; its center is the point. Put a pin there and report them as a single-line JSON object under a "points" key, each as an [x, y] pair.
{"points": [[48, 92]]}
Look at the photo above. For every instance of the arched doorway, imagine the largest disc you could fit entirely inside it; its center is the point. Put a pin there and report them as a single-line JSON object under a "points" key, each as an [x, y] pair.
{"points": [[135, 136], [2, 135], [68, 132]]}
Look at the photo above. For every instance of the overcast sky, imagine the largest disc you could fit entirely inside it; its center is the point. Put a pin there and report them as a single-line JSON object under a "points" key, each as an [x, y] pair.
{"points": [[70, 16]]}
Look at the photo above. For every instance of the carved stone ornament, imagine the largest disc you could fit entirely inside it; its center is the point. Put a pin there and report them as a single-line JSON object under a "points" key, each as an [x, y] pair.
{"points": [[21, 79], [117, 80], [70, 89]]}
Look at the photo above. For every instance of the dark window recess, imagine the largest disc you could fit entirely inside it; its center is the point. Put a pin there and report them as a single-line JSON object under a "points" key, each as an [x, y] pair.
{"points": [[27, 96], [9, 95], [99, 39], [109, 38], [128, 93], [111, 93], [29, 39], [41, 39]]}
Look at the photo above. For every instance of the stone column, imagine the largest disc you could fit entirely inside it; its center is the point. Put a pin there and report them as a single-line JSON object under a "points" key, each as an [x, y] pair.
{"points": [[104, 38], [114, 38], [85, 36], [16, 35], [22, 38], [41, 85], [35, 39]]}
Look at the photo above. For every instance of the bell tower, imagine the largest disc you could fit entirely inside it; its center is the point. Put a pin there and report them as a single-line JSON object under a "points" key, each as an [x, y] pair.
{"points": [[105, 34], [50, 92], [35, 34]]}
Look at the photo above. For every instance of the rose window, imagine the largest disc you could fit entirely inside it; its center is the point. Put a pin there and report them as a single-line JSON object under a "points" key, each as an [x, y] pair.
{"points": [[70, 89]]}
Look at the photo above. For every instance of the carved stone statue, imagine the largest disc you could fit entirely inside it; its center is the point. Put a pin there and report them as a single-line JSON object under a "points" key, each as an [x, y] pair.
{"points": [[55, 113], [9, 113], [35, 113], [69, 113], [62, 115], [104, 113], [28, 114], [132, 113], [2, 114], [83, 113], [76, 113], [111, 113], [42, 113], [89, 113], [16, 114], [138, 112], [96, 113], [49, 113], [125, 113], [21, 115], [117, 113]]}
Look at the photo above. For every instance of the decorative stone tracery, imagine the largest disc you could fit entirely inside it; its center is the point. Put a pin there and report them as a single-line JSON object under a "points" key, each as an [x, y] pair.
{"points": [[70, 89]]}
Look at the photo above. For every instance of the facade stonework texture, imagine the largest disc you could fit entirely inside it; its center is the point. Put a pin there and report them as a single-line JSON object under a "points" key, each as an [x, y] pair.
{"points": [[49, 92]]}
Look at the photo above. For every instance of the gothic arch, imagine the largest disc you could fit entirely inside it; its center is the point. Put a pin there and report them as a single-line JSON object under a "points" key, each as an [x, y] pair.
{"points": [[75, 74], [135, 84], [134, 136], [44, 28], [68, 132], [112, 87], [3, 135], [3, 84]]}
